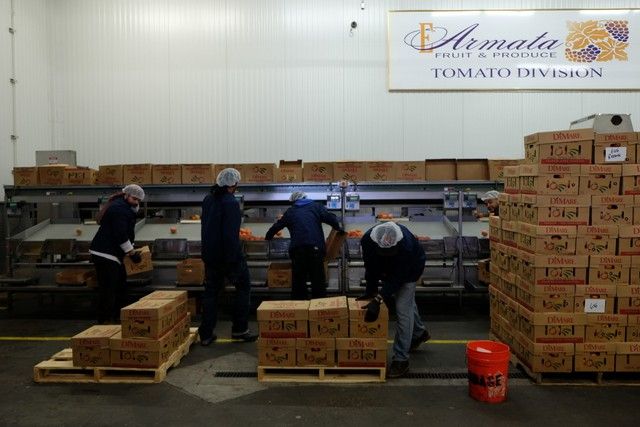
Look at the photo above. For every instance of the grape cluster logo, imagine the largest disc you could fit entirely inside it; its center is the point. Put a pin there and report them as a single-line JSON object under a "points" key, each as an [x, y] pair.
{"points": [[599, 41]]}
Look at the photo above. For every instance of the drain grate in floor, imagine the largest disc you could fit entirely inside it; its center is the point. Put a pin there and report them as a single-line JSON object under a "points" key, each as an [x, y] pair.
{"points": [[410, 375]]}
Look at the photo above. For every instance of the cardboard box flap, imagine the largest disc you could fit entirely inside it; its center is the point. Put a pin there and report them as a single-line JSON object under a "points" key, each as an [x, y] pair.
{"points": [[135, 344], [567, 135], [598, 230], [631, 137], [546, 201], [628, 291], [361, 343], [596, 347], [612, 200], [596, 290], [276, 342], [97, 335], [546, 348], [631, 170], [309, 343], [328, 308], [602, 318], [494, 221], [553, 318], [180, 296], [619, 260], [613, 170], [628, 348], [547, 230], [149, 309], [576, 261], [511, 171], [552, 169], [283, 310], [357, 310], [629, 230]]}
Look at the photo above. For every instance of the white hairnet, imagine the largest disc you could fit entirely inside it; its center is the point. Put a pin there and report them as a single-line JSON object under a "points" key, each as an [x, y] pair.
{"points": [[493, 194], [297, 195], [228, 177], [387, 234], [134, 190]]}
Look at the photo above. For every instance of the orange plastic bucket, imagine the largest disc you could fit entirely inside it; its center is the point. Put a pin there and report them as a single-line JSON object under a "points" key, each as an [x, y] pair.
{"points": [[488, 365]]}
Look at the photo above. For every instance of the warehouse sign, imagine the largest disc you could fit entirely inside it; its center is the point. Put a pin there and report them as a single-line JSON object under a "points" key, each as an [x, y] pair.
{"points": [[512, 50]]}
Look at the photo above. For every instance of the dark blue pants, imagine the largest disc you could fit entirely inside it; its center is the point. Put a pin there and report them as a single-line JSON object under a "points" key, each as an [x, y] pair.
{"points": [[215, 275], [112, 281], [307, 263]]}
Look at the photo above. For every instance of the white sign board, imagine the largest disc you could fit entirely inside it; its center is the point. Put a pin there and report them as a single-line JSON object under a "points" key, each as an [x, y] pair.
{"points": [[510, 50], [615, 154], [594, 305]]}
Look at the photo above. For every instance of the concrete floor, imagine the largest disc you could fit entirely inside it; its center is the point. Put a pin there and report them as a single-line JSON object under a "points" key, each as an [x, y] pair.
{"points": [[191, 395]]}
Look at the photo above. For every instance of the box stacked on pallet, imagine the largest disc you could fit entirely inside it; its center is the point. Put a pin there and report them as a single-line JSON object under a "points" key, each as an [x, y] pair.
{"points": [[323, 332], [577, 255], [150, 331]]}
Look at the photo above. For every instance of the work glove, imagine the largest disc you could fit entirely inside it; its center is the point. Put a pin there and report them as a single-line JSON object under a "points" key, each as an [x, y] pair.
{"points": [[373, 309], [135, 256]]}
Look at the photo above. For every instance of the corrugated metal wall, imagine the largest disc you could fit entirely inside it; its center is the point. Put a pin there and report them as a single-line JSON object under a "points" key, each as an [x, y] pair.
{"points": [[6, 158], [258, 80]]}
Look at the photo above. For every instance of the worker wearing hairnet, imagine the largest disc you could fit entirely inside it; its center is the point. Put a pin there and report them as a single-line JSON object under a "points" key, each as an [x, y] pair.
{"points": [[490, 198], [304, 221], [109, 246], [223, 258], [392, 255]]}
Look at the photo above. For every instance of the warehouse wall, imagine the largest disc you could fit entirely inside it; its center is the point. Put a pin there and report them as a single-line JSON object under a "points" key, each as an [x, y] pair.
{"points": [[6, 150], [257, 80]]}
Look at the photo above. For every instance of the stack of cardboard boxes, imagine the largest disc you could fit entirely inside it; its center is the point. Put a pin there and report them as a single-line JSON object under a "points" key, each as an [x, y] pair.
{"points": [[321, 332], [150, 331], [565, 254]]}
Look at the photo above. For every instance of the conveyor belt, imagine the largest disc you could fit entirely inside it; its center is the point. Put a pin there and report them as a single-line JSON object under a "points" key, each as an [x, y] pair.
{"points": [[64, 231], [260, 229], [149, 232], [433, 229], [473, 228]]}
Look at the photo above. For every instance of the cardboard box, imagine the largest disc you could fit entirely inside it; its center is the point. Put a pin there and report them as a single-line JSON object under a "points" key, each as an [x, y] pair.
{"points": [[609, 269], [628, 299], [440, 170], [334, 245], [110, 175], [137, 353], [142, 267], [549, 179], [410, 171], [472, 170], [604, 293], [631, 179], [283, 319], [612, 210], [276, 351], [629, 241], [555, 270], [167, 174], [237, 166], [596, 240], [140, 174], [546, 357], [190, 272], [505, 207], [547, 240], [178, 296], [555, 210], [358, 328], [633, 328], [289, 171], [75, 276], [148, 318], [600, 179], [316, 352], [511, 179], [318, 171], [91, 346], [279, 275], [595, 357], [628, 357], [198, 173], [329, 318], [79, 176], [380, 171], [362, 352], [495, 228], [51, 175], [25, 176], [605, 328], [546, 298], [628, 141], [634, 278], [573, 146], [496, 168], [349, 171], [552, 327], [483, 271], [259, 173]]}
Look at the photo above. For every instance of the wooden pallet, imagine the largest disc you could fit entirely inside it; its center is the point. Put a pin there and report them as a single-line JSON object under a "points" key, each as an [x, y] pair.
{"points": [[60, 369], [333, 374]]}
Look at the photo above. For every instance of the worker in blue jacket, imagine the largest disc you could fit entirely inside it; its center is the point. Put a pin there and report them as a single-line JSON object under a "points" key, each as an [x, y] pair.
{"points": [[304, 221], [112, 242], [223, 258], [392, 255]]}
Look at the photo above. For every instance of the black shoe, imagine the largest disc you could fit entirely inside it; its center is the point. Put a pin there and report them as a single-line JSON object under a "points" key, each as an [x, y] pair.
{"points": [[208, 341], [398, 369], [246, 336], [415, 342]]}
